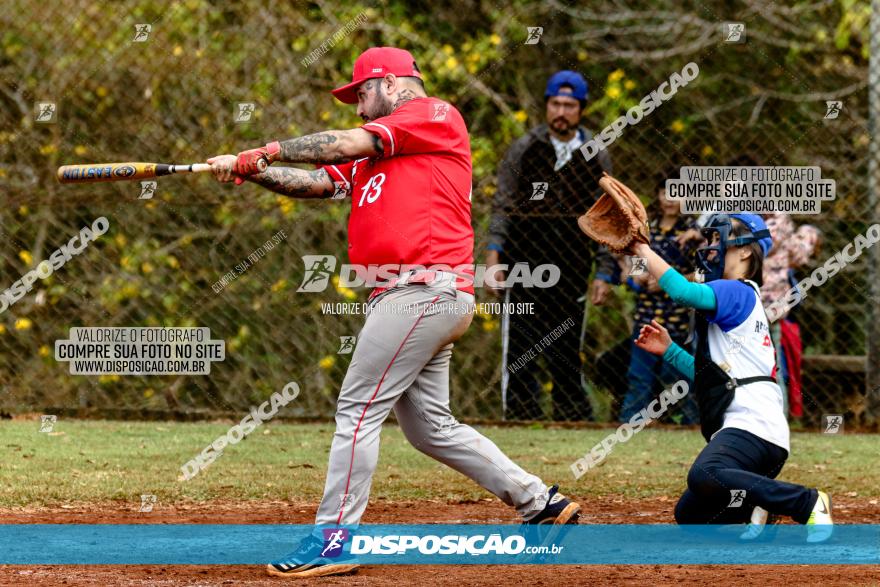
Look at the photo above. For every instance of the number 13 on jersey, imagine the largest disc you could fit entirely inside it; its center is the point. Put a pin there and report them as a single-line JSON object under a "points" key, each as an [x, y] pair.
{"points": [[372, 190]]}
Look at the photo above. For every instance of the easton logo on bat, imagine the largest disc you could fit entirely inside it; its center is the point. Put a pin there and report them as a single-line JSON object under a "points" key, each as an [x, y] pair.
{"points": [[124, 171], [104, 171]]}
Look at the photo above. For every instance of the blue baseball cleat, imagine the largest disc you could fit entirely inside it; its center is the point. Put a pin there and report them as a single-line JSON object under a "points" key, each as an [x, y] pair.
{"points": [[314, 558]]}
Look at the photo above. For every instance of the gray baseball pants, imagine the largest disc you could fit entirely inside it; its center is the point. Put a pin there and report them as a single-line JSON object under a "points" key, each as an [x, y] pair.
{"points": [[401, 362]]}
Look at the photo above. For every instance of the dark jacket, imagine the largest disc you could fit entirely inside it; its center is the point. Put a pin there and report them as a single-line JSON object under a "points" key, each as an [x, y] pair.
{"points": [[545, 230]]}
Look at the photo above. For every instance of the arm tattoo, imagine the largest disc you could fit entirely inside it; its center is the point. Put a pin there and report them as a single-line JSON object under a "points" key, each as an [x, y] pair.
{"points": [[293, 182], [312, 149]]}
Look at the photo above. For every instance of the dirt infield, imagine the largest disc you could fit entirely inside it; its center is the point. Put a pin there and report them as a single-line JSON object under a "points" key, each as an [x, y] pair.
{"points": [[604, 510]]}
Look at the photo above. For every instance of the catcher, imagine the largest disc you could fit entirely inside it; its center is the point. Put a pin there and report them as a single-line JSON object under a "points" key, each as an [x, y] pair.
{"points": [[741, 406]]}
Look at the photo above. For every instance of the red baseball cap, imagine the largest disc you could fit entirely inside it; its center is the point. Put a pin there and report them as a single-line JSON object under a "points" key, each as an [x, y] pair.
{"points": [[377, 62]]}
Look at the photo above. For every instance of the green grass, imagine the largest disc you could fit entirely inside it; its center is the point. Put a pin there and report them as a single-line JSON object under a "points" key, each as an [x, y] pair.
{"points": [[89, 461]]}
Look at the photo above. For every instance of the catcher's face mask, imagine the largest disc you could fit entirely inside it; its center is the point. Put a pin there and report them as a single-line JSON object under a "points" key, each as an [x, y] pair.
{"points": [[719, 233]]}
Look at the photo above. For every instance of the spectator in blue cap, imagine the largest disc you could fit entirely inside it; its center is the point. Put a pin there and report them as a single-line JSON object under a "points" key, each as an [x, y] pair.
{"points": [[544, 184]]}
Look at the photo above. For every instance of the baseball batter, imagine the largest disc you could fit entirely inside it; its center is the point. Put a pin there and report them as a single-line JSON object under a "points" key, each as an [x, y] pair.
{"points": [[408, 173]]}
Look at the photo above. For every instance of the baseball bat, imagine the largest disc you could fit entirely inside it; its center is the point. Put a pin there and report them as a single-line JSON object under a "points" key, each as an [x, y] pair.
{"points": [[98, 172]]}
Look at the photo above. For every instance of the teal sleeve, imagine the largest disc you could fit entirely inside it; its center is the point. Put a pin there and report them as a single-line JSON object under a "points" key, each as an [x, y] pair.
{"points": [[681, 360], [687, 293]]}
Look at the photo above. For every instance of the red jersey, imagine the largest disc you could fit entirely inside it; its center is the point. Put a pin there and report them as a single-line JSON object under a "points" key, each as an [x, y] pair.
{"points": [[412, 204]]}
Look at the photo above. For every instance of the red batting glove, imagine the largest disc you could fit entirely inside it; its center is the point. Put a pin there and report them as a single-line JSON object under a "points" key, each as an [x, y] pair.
{"points": [[247, 162]]}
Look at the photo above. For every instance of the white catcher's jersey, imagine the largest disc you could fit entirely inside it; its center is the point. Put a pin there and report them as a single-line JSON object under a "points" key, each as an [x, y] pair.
{"points": [[739, 342]]}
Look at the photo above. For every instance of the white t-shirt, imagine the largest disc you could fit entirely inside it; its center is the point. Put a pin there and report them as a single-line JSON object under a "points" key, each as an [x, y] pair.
{"points": [[565, 149], [739, 342]]}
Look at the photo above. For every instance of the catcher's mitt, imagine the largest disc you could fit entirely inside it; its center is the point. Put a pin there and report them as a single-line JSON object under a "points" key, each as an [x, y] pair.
{"points": [[617, 219]]}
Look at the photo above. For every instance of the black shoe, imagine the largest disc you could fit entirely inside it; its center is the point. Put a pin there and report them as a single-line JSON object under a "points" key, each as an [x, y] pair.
{"points": [[559, 510], [310, 560]]}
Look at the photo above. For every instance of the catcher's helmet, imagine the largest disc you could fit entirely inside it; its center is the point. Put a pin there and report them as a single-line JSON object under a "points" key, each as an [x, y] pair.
{"points": [[721, 224]]}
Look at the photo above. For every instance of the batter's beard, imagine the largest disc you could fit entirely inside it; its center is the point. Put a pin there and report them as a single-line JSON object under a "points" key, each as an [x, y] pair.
{"points": [[383, 107]]}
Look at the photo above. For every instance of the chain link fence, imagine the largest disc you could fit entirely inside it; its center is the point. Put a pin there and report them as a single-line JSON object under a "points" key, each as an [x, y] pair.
{"points": [[179, 82]]}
